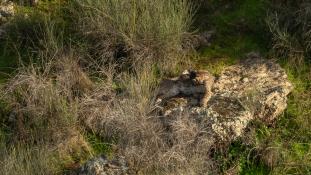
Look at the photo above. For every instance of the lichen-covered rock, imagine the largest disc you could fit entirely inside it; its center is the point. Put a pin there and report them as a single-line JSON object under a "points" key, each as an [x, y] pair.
{"points": [[102, 166], [224, 119], [217, 110], [254, 88], [262, 84], [6, 10]]}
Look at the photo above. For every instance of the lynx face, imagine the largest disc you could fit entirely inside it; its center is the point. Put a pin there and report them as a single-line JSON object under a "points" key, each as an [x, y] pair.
{"points": [[205, 78]]}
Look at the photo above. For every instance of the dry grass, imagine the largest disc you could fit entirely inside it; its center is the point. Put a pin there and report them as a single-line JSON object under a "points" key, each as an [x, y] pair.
{"points": [[149, 145], [51, 101], [290, 26], [132, 32], [42, 105], [28, 161], [47, 105], [35, 97]]}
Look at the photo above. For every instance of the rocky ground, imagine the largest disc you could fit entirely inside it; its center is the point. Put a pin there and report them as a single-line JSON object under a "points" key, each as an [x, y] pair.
{"points": [[253, 89]]}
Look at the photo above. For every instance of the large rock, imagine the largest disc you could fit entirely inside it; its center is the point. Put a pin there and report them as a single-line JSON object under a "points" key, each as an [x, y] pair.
{"points": [[254, 88], [218, 108], [261, 84], [6, 10], [223, 120]]}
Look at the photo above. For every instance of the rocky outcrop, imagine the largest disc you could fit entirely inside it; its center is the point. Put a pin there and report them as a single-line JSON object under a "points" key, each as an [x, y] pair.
{"points": [[102, 166], [253, 89], [261, 84], [6, 10], [217, 110]]}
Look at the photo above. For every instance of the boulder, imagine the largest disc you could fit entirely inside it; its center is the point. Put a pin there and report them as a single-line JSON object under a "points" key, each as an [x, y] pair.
{"points": [[218, 108], [261, 84], [253, 89], [6, 10]]}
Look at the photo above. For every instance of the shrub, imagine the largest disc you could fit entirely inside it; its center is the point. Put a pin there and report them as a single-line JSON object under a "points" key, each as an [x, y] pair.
{"points": [[133, 31], [142, 138], [290, 26], [48, 99], [27, 160], [42, 111], [33, 31]]}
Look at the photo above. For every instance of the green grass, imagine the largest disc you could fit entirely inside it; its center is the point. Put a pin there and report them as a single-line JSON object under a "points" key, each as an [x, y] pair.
{"points": [[258, 169], [242, 158], [239, 27], [234, 47], [99, 145], [289, 139], [26, 35], [8, 62]]}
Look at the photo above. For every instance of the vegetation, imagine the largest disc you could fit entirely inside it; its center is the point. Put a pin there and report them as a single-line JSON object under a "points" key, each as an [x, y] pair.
{"points": [[65, 64], [283, 148]]}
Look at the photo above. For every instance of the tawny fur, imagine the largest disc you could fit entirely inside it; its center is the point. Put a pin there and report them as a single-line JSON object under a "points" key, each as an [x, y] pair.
{"points": [[195, 84]]}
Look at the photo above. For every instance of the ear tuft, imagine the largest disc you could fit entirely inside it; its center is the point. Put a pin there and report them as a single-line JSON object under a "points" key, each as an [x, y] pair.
{"points": [[193, 74]]}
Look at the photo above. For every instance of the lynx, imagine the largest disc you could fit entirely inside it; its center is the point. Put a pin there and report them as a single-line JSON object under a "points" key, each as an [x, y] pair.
{"points": [[191, 84]]}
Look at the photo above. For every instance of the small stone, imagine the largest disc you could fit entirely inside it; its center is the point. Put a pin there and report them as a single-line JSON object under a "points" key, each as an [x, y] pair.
{"points": [[245, 80], [102, 166]]}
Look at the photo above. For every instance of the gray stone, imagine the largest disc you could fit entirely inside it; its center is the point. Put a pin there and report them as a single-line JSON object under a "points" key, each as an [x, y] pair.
{"points": [[253, 89], [261, 84], [6, 10], [102, 166]]}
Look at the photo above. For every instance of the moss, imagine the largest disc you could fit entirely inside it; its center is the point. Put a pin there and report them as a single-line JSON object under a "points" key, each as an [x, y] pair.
{"points": [[233, 46], [255, 169], [239, 26], [241, 157], [214, 66]]}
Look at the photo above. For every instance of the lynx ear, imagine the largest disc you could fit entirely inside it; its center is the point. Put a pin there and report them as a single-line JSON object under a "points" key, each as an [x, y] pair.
{"points": [[188, 74], [193, 74], [185, 75]]}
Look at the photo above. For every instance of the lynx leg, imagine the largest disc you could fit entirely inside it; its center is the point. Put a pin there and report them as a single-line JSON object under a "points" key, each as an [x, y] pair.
{"points": [[207, 95]]}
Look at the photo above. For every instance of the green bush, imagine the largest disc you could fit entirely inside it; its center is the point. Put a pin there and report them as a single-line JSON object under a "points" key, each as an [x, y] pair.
{"points": [[290, 25]]}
